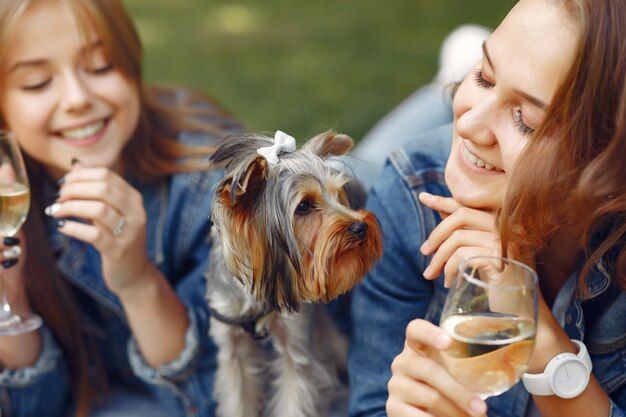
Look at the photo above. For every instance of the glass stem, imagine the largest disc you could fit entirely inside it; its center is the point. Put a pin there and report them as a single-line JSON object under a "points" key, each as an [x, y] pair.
{"points": [[5, 308]]}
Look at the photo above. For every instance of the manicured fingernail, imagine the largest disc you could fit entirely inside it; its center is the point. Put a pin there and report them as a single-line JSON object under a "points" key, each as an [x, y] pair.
{"points": [[11, 241], [52, 209], [60, 223], [75, 161], [442, 341], [60, 181], [478, 407], [9, 263], [425, 248], [428, 272]]}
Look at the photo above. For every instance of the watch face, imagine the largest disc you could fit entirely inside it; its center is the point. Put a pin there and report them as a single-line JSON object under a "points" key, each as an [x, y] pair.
{"points": [[570, 378]]}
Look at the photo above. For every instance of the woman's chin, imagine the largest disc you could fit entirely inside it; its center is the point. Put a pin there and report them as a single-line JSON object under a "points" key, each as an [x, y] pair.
{"points": [[474, 194], [477, 199]]}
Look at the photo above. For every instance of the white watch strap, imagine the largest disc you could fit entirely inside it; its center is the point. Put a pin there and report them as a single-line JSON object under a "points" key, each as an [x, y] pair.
{"points": [[539, 384]]}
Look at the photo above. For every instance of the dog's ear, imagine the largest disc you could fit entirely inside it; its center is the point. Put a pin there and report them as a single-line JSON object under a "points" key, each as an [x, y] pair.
{"points": [[243, 187], [329, 143]]}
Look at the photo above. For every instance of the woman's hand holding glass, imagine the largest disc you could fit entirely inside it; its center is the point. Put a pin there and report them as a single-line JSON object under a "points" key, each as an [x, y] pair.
{"points": [[420, 386], [491, 314], [487, 331], [14, 205]]}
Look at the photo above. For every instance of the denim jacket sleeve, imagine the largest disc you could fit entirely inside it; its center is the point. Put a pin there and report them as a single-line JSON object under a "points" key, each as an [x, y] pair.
{"points": [[47, 378], [185, 384], [395, 292]]}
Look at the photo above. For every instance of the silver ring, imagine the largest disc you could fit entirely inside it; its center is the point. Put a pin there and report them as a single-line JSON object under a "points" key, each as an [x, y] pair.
{"points": [[13, 252], [119, 227]]}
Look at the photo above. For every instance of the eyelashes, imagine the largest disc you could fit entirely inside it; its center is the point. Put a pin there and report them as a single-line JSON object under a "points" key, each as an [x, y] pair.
{"points": [[518, 119], [518, 122], [480, 81]]}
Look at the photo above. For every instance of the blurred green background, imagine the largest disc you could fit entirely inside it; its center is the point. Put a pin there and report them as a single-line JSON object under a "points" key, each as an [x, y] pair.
{"points": [[303, 66]]}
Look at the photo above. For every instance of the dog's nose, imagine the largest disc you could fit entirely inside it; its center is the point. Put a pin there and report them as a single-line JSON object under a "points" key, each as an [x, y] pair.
{"points": [[358, 229]]}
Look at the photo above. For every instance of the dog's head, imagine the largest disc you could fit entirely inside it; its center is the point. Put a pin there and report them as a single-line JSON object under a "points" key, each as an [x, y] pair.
{"points": [[285, 222]]}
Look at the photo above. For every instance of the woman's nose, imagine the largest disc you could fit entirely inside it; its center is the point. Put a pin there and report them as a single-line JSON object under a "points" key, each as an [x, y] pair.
{"points": [[476, 123], [76, 94]]}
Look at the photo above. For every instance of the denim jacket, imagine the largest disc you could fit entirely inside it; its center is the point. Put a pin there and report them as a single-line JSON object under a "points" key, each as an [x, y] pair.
{"points": [[395, 292], [177, 238]]}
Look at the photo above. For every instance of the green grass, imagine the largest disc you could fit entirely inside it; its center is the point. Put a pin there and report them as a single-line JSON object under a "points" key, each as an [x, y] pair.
{"points": [[302, 66]]}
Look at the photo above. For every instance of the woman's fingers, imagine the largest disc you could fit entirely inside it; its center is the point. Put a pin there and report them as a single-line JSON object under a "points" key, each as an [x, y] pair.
{"points": [[410, 397], [92, 210], [462, 218], [421, 334], [463, 233], [452, 265], [456, 245], [10, 252], [444, 205], [99, 184], [397, 408], [421, 382]]}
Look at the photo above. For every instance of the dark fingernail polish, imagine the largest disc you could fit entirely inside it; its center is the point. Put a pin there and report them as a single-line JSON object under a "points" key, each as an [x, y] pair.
{"points": [[75, 161], [61, 181], [11, 241], [9, 263], [60, 223]]}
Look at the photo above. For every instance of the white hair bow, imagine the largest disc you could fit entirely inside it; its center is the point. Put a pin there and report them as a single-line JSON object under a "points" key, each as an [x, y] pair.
{"points": [[282, 143]]}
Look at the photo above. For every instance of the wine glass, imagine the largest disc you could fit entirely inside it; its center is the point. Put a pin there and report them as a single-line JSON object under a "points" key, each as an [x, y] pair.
{"points": [[14, 204], [491, 314]]}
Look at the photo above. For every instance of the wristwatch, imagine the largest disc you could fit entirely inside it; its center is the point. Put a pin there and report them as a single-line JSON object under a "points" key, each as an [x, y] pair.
{"points": [[566, 375]]}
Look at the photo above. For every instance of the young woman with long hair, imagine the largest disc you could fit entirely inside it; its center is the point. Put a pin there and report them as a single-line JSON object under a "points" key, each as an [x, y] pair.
{"points": [[532, 168], [115, 265]]}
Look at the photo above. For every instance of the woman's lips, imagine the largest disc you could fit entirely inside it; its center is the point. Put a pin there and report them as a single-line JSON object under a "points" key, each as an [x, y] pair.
{"points": [[84, 135], [476, 164]]}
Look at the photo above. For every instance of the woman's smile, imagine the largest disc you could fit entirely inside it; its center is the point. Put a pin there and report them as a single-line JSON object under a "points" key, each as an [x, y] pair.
{"points": [[85, 134], [478, 164]]}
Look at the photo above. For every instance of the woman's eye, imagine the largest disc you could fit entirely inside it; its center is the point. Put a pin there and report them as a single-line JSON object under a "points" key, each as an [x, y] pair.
{"points": [[102, 69], [304, 207], [480, 81], [518, 122], [36, 86]]}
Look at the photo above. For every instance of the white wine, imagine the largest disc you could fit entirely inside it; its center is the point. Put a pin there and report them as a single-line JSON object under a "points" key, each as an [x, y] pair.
{"points": [[14, 204], [490, 351]]}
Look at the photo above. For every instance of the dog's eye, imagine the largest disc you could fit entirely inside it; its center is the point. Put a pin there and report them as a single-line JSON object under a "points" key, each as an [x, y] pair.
{"points": [[304, 207]]}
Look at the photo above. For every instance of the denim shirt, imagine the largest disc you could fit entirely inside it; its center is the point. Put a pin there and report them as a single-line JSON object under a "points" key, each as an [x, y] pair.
{"points": [[395, 292], [177, 243]]}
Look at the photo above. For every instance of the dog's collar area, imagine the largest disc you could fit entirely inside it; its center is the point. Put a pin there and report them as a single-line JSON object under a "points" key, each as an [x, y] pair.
{"points": [[248, 323]]}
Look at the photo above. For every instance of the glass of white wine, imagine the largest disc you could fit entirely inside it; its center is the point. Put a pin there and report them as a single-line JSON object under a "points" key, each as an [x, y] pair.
{"points": [[491, 314], [14, 205]]}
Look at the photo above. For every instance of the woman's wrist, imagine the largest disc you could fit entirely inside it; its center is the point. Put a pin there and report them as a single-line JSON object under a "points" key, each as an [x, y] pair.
{"points": [[550, 340], [153, 309], [20, 351], [145, 281]]}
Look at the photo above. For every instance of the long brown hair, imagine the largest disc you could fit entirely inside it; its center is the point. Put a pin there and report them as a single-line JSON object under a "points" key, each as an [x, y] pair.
{"points": [[566, 155], [152, 154], [601, 200]]}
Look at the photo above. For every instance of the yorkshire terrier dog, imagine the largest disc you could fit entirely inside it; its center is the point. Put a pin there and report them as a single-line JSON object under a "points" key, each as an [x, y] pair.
{"points": [[284, 238]]}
